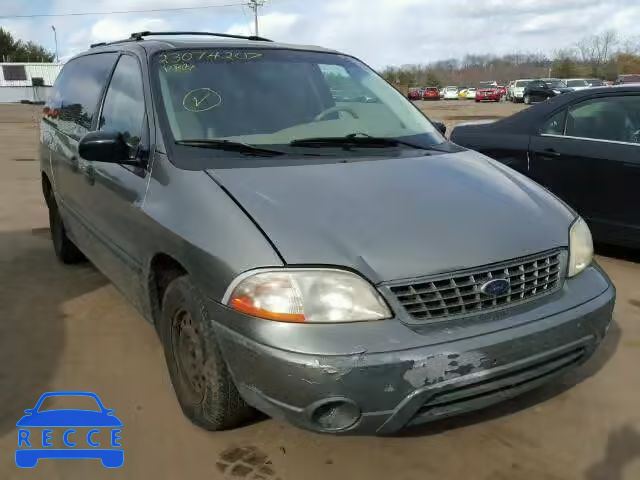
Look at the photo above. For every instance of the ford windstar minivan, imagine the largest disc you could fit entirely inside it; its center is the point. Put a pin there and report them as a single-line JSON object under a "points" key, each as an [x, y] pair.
{"points": [[328, 259]]}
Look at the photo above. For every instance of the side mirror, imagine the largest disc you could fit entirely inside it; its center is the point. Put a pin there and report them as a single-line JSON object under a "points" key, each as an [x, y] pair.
{"points": [[104, 146], [441, 127]]}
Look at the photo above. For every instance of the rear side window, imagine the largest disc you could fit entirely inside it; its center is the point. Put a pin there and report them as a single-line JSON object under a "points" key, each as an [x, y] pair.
{"points": [[123, 109], [74, 101], [612, 118]]}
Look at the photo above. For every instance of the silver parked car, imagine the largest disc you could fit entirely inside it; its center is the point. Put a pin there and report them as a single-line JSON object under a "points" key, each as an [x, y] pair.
{"points": [[338, 264]]}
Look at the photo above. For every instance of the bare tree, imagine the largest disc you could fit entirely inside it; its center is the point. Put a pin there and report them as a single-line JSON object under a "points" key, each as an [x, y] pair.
{"points": [[596, 50], [631, 46]]}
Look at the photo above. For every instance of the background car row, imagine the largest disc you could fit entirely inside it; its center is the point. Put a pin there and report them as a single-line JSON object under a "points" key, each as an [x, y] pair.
{"points": [[524, 90]]}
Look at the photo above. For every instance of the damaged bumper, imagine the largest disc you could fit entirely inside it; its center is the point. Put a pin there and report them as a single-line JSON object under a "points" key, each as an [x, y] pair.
{"points": [[460, 366]]}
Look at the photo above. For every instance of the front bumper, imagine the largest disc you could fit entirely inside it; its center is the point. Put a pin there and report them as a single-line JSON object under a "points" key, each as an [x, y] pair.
{"points": [[411, 385]]}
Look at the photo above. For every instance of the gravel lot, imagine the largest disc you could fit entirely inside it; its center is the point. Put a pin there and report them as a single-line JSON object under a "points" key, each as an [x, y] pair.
{"points": [[68, 328]]}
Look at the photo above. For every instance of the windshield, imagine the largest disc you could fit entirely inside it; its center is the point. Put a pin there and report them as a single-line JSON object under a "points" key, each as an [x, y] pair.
{"points": [[275, 97], [556, 84], [577, 83], [522, 83]]}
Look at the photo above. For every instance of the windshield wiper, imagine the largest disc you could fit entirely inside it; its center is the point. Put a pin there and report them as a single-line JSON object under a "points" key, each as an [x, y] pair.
{"points": [[354, 140], [230, 146]]}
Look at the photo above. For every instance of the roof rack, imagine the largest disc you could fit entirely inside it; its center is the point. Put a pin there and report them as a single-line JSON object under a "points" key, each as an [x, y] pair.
{"points": [[140, 35], [137, 36]]}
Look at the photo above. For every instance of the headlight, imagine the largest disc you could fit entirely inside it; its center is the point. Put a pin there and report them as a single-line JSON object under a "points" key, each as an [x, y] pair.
{"points": [[580, 247], [557, 92], [307, 295]]}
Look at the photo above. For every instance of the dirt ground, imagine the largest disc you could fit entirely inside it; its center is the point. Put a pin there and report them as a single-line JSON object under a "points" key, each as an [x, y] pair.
{"points": [[67, 328], [452, 112]]}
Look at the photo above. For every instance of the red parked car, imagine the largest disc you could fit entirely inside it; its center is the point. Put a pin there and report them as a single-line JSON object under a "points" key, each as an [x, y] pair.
{"points": [[431, 93], [489, 94], [503, 90], [415, 94]]}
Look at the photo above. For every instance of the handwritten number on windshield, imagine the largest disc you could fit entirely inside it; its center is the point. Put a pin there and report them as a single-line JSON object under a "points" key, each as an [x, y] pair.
{"points": [[173, 58]]}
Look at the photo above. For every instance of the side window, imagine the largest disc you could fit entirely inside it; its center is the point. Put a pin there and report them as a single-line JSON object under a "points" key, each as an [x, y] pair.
{"points": [[74, 101], [611, 118], [555, 125], [123, 109]]}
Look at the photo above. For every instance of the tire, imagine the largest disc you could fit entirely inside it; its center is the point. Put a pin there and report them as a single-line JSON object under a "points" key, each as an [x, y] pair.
{"points": [[527, 99], [64, 248], [200, 377]]}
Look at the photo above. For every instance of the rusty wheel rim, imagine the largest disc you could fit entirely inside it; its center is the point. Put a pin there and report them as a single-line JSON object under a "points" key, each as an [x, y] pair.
{"points": [[189, 355]]}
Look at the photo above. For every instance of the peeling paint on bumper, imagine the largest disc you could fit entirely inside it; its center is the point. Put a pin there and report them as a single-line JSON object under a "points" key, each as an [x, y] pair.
{"points": [[398, 388]]}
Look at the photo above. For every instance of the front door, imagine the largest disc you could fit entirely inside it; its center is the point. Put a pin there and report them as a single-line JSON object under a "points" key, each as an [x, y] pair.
{"points": [[75, 101], [116, 192], [593, 163]]}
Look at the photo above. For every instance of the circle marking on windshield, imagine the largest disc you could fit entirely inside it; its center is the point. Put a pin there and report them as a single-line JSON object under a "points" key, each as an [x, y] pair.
{"points": [[201, 100]]}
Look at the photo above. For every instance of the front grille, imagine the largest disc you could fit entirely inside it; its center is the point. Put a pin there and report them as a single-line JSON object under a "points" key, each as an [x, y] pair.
{"points": [[459, 293]]}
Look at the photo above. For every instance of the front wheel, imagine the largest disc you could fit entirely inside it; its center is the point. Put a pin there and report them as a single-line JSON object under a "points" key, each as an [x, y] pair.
{"points": [[199, 374]]}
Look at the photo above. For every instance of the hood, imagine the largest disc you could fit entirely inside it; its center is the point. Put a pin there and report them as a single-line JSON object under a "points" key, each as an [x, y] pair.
{"points": [[400, 217]]}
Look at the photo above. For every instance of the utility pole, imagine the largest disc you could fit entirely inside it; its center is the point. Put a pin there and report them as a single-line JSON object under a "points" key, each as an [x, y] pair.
{"points": [[55, 38], [254, 5]]}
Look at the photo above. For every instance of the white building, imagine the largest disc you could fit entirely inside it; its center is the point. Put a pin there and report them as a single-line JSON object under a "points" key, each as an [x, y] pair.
{"points": [[27, 81]]}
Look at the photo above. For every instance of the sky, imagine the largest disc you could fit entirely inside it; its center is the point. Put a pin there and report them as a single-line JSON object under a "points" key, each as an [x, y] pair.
{"points": [[380, 32]]}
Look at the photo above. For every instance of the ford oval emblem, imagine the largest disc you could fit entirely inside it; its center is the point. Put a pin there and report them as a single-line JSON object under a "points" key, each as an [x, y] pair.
{"points": [[495, 287]]}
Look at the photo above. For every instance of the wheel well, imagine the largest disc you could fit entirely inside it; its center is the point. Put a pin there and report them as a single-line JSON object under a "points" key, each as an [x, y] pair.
{"points": [[163, 270]]}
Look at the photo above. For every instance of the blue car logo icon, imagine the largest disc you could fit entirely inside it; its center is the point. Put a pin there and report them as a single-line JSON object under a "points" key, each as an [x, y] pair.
{"points": [[32, 446]]}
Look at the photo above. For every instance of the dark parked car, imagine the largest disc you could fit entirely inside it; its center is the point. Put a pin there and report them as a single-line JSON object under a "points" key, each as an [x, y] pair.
{"points": [[540, 90], [415, 94], [340, 265], [584, 147]]}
